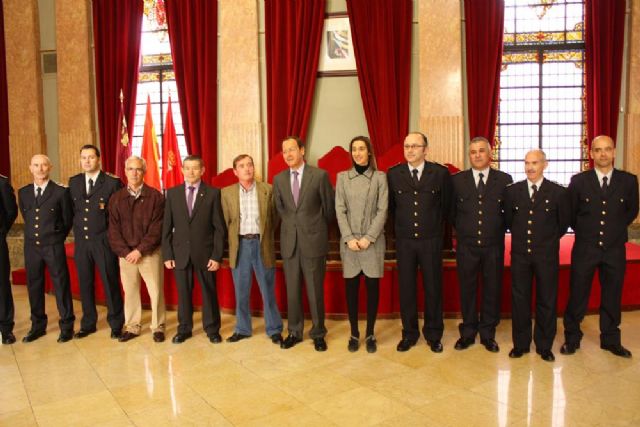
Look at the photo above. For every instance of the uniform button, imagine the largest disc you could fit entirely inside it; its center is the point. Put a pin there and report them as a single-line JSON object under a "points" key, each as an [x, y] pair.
{"points": [[86, 219], [415, 214], [479, 233], [86, 237], [415, 192], [37, 209], [479, 202], [415, 224], [530, 212], [479, 222], [37, 218], [415, 203], [602, 233], [528, 241], [601, 222], [37, 242], [479, 212], [604, 202], [86, 209], [528, 231], [415, 235], [86, 200], [479, 242], [36, 226], [600, 243], [36, 234], [529, 222], [604, 212], [86, 228], [528, 250]]}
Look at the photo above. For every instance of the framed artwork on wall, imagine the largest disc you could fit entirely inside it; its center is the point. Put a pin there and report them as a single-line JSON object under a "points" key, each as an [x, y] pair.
{"points": [[337, 57]]}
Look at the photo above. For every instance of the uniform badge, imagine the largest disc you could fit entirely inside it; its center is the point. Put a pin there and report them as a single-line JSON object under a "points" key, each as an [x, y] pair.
{"points": [[101, 205]]}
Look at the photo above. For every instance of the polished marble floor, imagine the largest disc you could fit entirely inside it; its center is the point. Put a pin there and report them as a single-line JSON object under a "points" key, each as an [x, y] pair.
{"points": [[99, 382]]}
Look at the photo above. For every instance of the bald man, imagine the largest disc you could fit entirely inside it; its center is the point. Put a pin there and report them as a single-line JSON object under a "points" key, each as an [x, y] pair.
{"points": [[604, 203], [48, 216]]}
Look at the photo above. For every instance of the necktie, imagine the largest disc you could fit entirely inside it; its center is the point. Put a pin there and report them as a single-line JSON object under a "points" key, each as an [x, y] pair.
{"points": [[535, 191], [190, 200], [605, 186], [295, 188], [90, 186], [481, 184], [38, 195], [416, 181]]}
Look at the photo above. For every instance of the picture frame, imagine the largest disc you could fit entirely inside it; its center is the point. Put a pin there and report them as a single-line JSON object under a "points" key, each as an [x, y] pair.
{"points": [[337, 57]]}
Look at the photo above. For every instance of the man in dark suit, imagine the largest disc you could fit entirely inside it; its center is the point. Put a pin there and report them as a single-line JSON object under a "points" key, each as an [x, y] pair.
{"points": [[477, 215], [604, 202], [192, 242], [90, 193], [304, 198], [8, 214], [48, 216], [537, 212], [419, 201]]}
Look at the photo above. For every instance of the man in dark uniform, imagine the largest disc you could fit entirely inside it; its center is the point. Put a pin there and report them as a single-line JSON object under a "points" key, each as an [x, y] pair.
{"points": [[90, 193], [8, 214], [537, 212], [48, 216], [419, 200], [477, 214], [604, 203]]}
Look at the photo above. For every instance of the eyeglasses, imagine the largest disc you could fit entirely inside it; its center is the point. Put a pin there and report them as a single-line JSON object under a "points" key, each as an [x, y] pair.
{"points": [[412, 146]]}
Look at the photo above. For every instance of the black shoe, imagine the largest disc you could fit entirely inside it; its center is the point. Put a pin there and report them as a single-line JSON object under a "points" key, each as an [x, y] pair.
{"points": [[491, 345], [464, 343], [353, 345], [127, 336], [82, 333], [179, 338], [8, 338], [276, 338], [65, 336], [569, 348], [290, 341], [517, 353], [33, 335], [237, 337], [215, 338], [158, 336], [435, 346], [405, 344], [372, 345], [319, 344], [616, 349], [546, 355], [116, 333]]}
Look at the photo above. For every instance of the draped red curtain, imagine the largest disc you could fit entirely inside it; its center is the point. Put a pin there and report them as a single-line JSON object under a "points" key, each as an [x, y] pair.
{"points": [[484, 27], [5, 162], [193, 33], [381, 33], [604, 45], [117, 28], [293, 31]]}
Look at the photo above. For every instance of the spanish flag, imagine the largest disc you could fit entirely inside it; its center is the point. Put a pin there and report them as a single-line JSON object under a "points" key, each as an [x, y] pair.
{"points": [[150, 150]]}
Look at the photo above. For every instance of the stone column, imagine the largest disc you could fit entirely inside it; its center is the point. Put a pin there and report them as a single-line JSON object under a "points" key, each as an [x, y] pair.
{"points": [[632, 116]]}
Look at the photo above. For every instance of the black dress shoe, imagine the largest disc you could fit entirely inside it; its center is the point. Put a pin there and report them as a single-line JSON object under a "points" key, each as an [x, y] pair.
{"points": [[65, 336], [215, 338], [290, 341], [33, 335], [546, 355], [276, 338], [8, 338], [116, 333], [616, 349], [491, 345], [569, 348], [158, 336], [179, 338], [127, 336], [319, 344], [464, 343], [82, 333], [517, 353], [353, 345], [237, 337], [435, 346], [372, 344], [405, 344]]}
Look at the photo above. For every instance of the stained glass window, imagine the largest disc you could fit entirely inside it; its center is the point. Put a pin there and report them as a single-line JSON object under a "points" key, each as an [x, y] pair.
{"points": [[542, 87]]}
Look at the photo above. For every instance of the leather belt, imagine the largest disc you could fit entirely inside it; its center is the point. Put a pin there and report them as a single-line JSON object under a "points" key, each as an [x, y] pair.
{"points": [[250, 236]]}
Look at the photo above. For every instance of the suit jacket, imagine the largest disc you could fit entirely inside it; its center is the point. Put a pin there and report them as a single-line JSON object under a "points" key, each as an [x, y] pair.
{"points": [[307, 224], [419, 211], [49, 221], [479, 221], [91, 219], [198, 238], [8, 206], [536, 228], [231, 211], [603, 220]]}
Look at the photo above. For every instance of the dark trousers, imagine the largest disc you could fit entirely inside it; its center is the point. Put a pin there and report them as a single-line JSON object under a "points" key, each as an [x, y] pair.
{"points": [[210, 307], [611, 264], [312, 269], [54, 258], [488, 262], [544, 267], [373, 292], [6, 298], [89, 255], [427, 254]]}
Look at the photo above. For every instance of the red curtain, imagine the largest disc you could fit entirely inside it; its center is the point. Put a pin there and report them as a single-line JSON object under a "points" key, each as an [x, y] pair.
{"points": [[381, 32], [484, 27], [116, 31], [193, 33], [604, 45], [5, 162], [293, 30]]}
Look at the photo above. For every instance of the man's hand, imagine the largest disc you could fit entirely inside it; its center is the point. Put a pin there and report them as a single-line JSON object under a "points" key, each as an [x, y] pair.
{"points": [[363, 243], [170, 264], [133, 257], [213, 265], [353, 245]]}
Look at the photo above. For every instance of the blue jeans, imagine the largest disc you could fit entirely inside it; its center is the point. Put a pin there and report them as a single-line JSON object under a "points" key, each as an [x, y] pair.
{"points": [[249, 258]]}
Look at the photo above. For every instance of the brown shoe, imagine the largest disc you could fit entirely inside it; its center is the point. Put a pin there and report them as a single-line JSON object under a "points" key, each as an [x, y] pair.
{"points": [[127, 336]]}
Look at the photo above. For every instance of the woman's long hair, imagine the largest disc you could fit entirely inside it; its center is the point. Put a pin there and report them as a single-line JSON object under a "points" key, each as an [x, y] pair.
{"points": [[372, 158]]}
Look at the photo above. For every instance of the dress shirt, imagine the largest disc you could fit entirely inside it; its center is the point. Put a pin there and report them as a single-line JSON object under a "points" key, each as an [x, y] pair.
{"points": [[484, 172], [530, 184], [43, 187], [87, 177], [420, 169], [249, 210], [195, 192], [602, 175], [300, 171]]}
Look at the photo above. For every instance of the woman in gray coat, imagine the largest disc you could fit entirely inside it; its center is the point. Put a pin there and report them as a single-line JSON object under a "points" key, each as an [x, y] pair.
{"points": [[361, 209]]}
